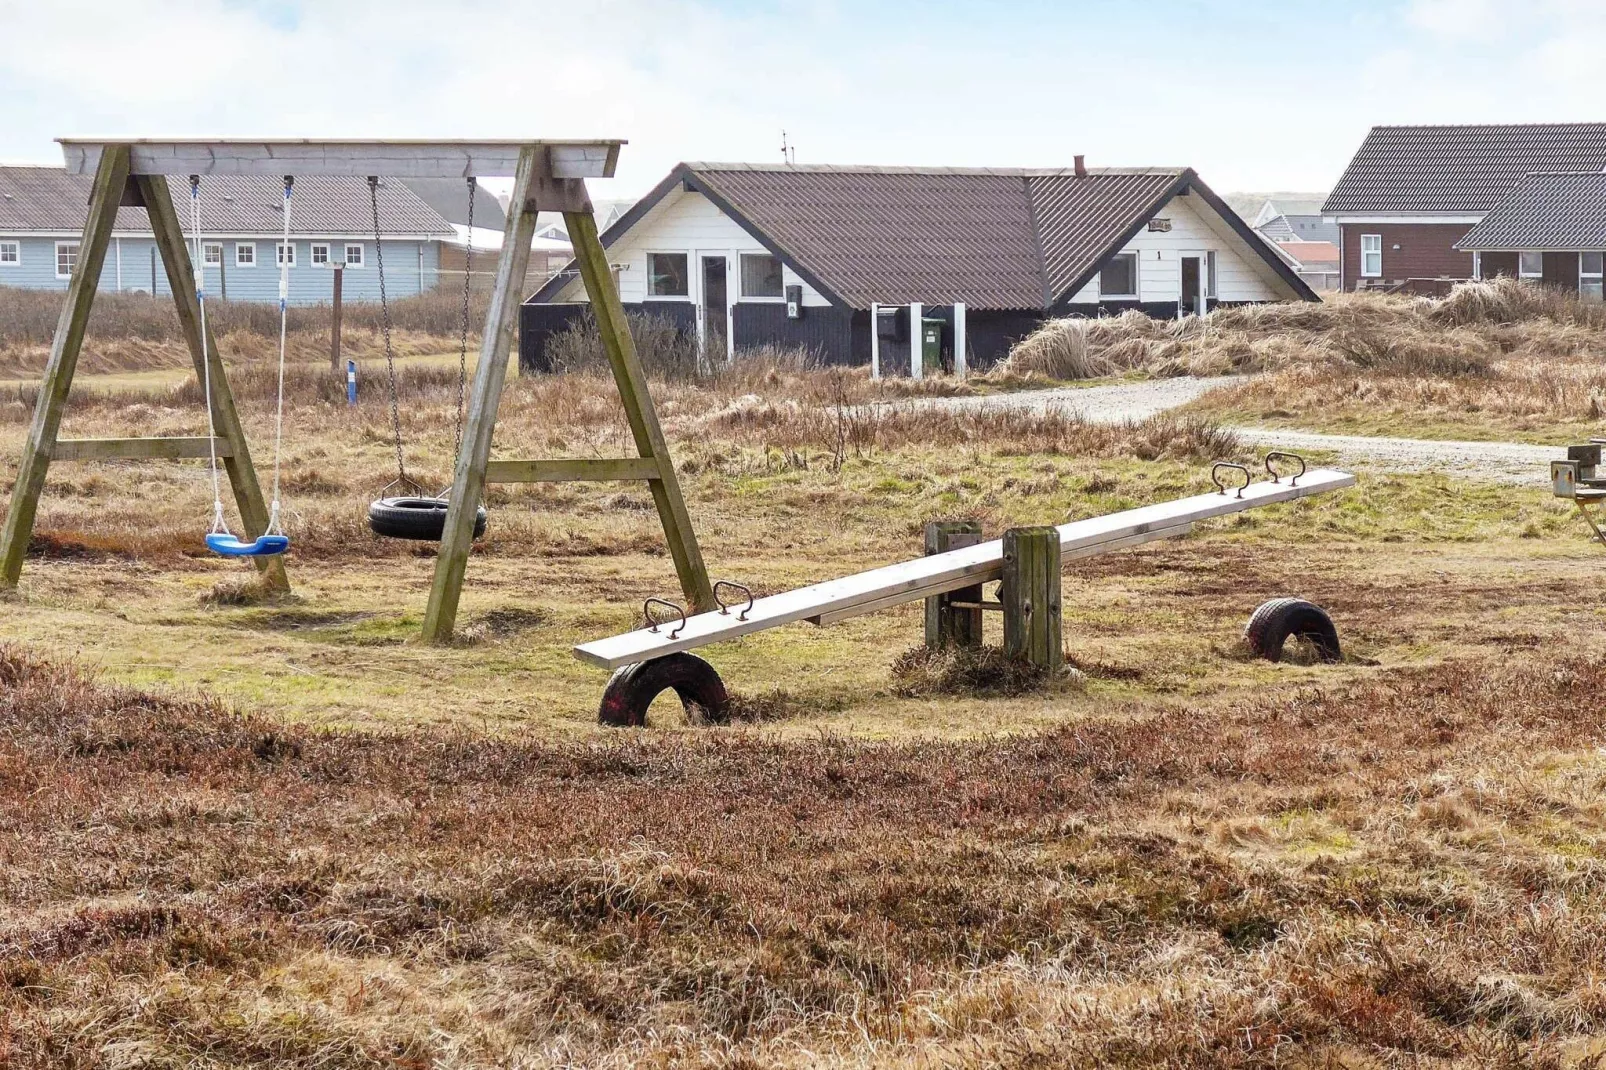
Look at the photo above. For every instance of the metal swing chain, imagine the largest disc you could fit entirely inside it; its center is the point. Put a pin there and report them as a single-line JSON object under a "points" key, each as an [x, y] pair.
{"points": [[462, 349], [384, 321], [198, 263]]}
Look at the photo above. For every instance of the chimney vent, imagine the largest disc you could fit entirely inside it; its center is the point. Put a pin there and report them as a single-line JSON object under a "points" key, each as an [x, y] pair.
{"points": [[1081, 167]]}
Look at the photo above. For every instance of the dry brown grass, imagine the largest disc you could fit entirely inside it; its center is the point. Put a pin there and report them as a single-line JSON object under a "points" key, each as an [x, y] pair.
{"points": [[1405, 871], [1462, 335], [137, 332]]}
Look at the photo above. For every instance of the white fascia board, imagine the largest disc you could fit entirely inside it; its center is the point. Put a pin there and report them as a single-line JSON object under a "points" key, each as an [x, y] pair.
{"points": [[1396, 218]]}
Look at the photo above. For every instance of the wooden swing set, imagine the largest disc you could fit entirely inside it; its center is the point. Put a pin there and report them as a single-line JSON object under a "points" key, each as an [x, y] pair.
{"points": [[547, 176]]}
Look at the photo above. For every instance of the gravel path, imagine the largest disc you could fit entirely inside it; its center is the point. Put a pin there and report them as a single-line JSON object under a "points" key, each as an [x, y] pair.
{"points": [[1503, 462]]}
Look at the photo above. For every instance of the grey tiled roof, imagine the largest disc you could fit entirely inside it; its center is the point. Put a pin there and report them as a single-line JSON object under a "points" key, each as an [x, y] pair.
{"points": [[48, 199], [1459, 168], [1556, 211]]}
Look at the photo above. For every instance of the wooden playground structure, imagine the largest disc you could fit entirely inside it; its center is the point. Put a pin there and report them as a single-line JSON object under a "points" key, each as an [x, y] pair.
{"points": [[547, 176], [550, 176]]}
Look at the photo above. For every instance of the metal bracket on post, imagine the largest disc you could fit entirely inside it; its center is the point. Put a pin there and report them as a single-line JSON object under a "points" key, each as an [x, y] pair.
{"points": [[946, 623], [1031, 596]]}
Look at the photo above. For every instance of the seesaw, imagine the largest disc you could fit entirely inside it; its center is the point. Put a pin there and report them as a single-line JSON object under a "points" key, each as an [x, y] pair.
{"points": [[1026, 561]]}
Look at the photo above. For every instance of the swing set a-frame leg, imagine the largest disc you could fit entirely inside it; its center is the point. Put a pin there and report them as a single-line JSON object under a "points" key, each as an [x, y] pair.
{"points": [[533, 182], [113, 187]]}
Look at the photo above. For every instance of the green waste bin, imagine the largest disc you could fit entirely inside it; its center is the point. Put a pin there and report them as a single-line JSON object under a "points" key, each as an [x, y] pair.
{"points": [[931, 328]]}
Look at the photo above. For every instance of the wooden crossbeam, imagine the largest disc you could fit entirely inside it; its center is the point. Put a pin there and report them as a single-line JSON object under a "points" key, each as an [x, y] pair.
{"points": [[566, 470], [277, 157], [129, 449], [913, 580]]}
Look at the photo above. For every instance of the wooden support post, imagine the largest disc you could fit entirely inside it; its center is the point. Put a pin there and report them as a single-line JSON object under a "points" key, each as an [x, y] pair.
{"points": [[242, 473], [633, 391], [110, 179], [875, 340], [1031, 596], [334, 318], [468, 479], [947, 625], [917, 342], [961, 342]]}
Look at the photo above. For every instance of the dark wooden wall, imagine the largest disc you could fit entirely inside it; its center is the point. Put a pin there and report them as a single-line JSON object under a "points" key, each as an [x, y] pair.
{"points": [[1426, 251]]}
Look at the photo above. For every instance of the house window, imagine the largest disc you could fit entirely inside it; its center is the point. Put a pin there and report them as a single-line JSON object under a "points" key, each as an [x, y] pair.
{"points": [[354, 255], [1371, 256], [761, 275], [1210, 273], [320, 254], [245, 254], [66, 258], [212, 253], [286, 254], [1589, 276], [10, 253], [1530, 265], [1120, 276], [667, 275]]}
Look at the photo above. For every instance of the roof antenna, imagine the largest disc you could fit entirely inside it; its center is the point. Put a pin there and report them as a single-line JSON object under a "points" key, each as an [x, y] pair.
{"points": [[788, 152]]}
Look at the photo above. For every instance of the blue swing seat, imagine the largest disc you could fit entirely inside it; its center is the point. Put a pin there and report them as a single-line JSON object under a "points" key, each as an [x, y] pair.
{"points": [[221, 542]]}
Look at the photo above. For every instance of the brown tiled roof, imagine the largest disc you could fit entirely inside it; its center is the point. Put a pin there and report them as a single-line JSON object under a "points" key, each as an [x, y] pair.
{"points": [[992, 238], [1459, 168], [1080, 218], [895, 235], [1556, 211], [48, 199]]}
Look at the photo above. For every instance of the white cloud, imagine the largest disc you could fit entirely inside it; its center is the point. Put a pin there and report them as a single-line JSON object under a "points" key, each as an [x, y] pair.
{"points": [[860, 83]]}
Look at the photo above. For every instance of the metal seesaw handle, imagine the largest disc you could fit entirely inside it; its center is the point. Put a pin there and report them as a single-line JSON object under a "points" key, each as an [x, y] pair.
{"points": [[1294, 480], [1215, 476], [724, 607], [652, 623]]}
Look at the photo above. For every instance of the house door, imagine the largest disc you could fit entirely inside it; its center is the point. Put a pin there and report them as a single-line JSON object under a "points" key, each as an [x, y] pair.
{"points": [[716, 306], [1192, 286]]}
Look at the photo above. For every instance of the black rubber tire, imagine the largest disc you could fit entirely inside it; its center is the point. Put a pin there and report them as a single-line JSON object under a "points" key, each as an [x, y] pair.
{"points": [[421, 519], [1276, 621], [632, 688]]}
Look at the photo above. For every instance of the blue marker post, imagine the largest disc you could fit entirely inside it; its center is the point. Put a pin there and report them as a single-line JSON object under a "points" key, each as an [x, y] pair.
{"points": [[351, 382]]}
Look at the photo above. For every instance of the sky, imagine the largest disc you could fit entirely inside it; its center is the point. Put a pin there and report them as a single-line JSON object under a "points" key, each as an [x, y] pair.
{"points": [[1253, 95]]}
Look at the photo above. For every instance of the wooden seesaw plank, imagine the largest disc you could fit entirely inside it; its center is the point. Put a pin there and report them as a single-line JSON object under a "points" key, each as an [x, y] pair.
{"points": [[910, 581]]}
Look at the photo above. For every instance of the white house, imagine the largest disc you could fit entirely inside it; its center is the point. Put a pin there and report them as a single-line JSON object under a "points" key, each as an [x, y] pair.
{"points": [[748, 255]]}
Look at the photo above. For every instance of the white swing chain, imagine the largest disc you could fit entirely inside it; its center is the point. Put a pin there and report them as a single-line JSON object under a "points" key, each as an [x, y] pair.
{"points": [[286, 251], [220, 525]]}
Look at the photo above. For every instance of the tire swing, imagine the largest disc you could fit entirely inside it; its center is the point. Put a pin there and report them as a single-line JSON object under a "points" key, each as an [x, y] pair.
{"points": [[219, 539], [416, 515]]}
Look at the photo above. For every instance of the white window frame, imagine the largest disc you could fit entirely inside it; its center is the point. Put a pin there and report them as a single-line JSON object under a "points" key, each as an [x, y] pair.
{"points": [[15, 246], [741, 280], [279, 249], [1598, 291], [239, 247], [1212, 268], [1524, 273], [690, 287], [76, 249], [207, 249], [1137, 283], [362, 255], [312, 254], [1377, 270]]}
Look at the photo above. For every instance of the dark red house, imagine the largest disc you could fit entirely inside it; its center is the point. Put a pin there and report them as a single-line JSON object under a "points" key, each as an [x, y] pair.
{"points": [[1412, 193]]}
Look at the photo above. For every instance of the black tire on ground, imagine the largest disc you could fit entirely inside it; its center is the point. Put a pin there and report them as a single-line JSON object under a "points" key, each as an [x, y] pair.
{"points": [[1280, 619], [422, 519], [632, 688]]}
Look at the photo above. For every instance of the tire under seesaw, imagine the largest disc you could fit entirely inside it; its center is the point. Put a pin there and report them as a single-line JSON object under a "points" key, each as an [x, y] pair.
{"points": [[417, 518], [632, 688]]}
